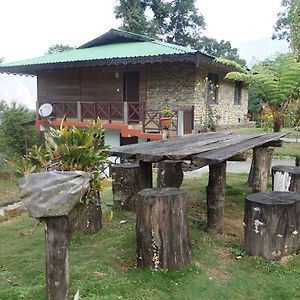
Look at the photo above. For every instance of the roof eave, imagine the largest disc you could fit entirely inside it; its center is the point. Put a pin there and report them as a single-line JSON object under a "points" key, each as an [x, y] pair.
{"points": [[197, 58]]}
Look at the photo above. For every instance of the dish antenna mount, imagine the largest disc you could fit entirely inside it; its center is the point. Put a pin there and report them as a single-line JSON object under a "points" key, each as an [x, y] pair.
{"points": [[45, 110]]}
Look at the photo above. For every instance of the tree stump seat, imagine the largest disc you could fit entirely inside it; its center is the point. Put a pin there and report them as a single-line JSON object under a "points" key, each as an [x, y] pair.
{"points": [[286, 178], [125, 185], [162, 229], [272, 224], [169, 173]]}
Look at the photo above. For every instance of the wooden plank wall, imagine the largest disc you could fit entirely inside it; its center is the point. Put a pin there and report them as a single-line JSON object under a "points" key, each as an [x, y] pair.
{"points": [[86, 85]]}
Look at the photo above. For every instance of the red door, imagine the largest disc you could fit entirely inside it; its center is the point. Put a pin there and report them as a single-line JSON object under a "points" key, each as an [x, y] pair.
{"points": [[132, 95]]}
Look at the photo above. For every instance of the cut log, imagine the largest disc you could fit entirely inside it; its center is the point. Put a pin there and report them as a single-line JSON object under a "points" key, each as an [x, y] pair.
{"points": [[162, 229], [297, 161], [125, 185], [216, 197], [261, 169], [146, 180], [271, 224], [286, 179], [169, 173], [57, 234]]}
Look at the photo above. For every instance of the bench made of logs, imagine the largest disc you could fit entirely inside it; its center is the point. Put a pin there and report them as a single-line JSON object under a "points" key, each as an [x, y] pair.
{"points": [[162, 229], [272, 224], [286, 179]]}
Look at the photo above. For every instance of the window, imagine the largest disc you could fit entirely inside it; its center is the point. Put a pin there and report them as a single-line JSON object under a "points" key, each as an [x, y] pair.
{"points": [[238, 92], [212, 89]]}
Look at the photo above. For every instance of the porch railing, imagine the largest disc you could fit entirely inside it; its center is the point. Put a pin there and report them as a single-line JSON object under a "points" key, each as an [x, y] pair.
{"points": [[126, 112]]}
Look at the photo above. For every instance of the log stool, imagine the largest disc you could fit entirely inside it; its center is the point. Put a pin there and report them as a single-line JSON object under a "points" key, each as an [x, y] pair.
{"points": [[297, 161], [272, 224], [286, 179], [169, 173], [162, 229], [125, 185]]}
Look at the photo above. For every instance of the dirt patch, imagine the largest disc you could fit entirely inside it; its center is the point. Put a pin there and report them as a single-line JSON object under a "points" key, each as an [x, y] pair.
{"points": [[215, 273], [224, 254]]}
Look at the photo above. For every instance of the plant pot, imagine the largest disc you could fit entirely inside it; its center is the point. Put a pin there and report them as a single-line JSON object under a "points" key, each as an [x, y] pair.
{"points": [[166, 122]]}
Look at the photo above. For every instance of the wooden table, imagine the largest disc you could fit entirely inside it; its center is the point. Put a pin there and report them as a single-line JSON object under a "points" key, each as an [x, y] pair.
{"points": [[212, 149]]}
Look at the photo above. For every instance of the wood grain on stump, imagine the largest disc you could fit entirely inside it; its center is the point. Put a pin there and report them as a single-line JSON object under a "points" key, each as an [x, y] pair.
{"points": [[216, 197], [286, 179], [57, 240], [272, 224], [169, 173], [125, 185], [162, 229], [261, 169]]}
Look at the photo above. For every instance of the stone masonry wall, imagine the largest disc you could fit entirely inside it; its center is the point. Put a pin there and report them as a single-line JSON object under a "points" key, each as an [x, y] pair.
{"points": [[225, 111], [170, 85], [183, 85]]}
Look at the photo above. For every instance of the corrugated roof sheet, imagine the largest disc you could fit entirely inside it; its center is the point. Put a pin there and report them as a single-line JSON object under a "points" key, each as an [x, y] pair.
{"points": [[109, 51]]}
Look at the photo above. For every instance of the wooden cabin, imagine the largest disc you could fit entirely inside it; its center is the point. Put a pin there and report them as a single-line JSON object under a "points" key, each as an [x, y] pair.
{"points": [[126, 79]]}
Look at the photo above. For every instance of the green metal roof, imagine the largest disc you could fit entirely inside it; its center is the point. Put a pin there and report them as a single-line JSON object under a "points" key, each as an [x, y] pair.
{"points": [[108, 51]]}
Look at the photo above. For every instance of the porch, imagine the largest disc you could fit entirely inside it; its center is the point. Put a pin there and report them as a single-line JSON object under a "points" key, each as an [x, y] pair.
{"points": [[134, 115]]}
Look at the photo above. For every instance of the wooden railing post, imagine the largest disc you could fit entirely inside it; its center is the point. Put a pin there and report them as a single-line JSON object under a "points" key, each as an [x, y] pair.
{"points": [[180, 123], [79, 113], [125, 112]]}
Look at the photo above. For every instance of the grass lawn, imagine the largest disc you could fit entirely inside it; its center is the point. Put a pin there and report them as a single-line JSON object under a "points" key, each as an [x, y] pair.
{"points": [[103, 265], [8, 191], [293, 133]]}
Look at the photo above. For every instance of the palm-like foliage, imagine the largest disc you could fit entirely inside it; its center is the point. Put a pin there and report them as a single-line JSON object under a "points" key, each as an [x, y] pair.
{"points": [[277, 80]]}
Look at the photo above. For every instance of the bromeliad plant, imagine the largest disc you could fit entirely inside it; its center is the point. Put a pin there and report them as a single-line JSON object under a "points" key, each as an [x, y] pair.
{"points": [[72, 148]]}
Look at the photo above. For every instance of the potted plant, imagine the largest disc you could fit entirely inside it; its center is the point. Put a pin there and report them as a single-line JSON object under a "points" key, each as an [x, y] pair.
{"points": [[166, 115]]}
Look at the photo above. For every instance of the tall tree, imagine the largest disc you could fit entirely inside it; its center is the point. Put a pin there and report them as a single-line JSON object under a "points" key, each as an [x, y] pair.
{"points": [[276, 81], [219, 49], [132, 14], [57, 48], [185, 23], [175, 21], [288, 25]]}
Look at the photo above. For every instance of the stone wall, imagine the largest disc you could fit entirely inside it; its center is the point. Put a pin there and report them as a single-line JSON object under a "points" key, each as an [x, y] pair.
{"points": [[184, 85], [170, 85]]}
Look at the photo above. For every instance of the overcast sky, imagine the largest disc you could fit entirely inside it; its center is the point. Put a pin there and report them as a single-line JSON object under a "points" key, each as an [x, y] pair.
{"points": [[29, 27]]}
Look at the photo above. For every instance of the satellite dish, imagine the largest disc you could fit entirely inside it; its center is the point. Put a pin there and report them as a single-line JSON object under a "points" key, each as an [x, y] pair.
{"points": [[45, 110]]}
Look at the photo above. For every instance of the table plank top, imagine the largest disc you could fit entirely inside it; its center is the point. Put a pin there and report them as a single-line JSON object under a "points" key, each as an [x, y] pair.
{"points": [[213, 147]]}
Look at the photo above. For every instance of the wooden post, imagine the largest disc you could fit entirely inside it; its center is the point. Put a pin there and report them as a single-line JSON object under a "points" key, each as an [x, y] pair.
{"points": [[260, 169], [125, 185], [297, 161], [180, 123], [125, 112], [146, 180], [169, 173], [271, 224], [286, 179], [57, 234], [216, 197], [268, 166], [162, 229], [79, 113]]}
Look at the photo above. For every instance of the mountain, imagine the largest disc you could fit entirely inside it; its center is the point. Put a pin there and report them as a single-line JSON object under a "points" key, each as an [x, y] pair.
{"points": [[254, 51]]}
